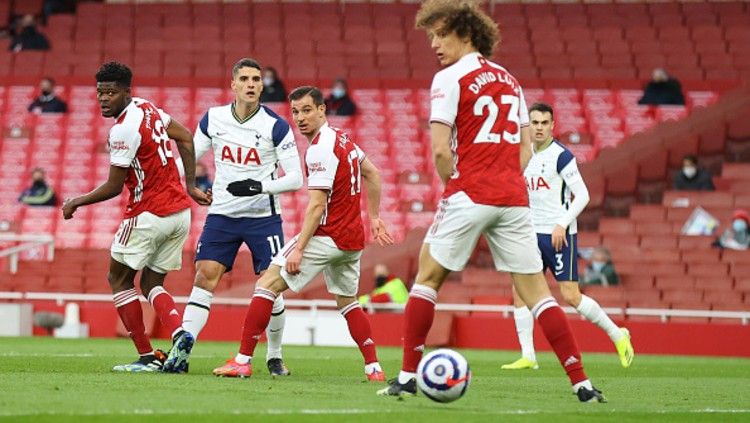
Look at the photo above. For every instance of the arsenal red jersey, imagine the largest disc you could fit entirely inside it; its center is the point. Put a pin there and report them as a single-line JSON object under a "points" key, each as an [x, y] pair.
{"points": [[333, 164], [138, 141], [484, 105]]}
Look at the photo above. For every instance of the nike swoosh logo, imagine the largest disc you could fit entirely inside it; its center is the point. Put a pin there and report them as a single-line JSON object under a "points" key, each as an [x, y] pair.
{"points": [[453, 382], [559, 273], [273, 331], [218, 134]]}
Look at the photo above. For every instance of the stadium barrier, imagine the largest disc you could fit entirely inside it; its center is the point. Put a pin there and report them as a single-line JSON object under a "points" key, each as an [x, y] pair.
{"points": [[317, 322], [28, 242]]}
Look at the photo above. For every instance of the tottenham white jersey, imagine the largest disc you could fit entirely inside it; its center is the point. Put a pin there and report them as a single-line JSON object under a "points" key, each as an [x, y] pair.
{"points": [[244, 149], [549, 177]]}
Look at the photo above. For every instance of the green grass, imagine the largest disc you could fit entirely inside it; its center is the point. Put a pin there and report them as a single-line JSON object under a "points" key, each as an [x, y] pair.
{"points": [[43, 379]]}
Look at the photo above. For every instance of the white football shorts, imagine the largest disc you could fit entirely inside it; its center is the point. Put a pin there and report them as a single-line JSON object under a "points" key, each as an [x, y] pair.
{"points": [[148, 240], [458, 223], [340, 268]]}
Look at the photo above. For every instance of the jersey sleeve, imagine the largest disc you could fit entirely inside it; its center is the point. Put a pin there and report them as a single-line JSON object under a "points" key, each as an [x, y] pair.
{"points": [[572, 177], [123, 145], [444, 96], [321, 168], [360, 153], [166, 118], [524, 110], [201, 139], [283, 140]]}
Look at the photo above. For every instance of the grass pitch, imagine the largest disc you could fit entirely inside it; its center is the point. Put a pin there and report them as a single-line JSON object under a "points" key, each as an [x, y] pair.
{"points": [[43, 379]]}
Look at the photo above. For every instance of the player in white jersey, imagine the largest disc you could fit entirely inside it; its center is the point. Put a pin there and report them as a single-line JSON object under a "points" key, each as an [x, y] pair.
{"points": [[249, 143], [557, 195]]}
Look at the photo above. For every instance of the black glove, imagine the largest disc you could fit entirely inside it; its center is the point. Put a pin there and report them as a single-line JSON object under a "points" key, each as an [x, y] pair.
{"points": [[246, 188]]}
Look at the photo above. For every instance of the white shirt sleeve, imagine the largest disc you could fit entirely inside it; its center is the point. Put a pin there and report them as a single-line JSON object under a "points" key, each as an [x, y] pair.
{"points": [[574, 181], [321, 167], [201, 140], [360, 153], [123, 145], [166, 118], [523, 109], [444, 96], [291, 181]]}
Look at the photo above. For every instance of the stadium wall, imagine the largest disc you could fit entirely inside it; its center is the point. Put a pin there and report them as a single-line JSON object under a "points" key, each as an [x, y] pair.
{"points": [[478, 331]]}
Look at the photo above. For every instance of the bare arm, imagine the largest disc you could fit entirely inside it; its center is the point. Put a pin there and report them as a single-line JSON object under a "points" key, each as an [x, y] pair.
{"points": [[109, 189], [526, 150], [371, 177], [316, 206], [184, 140], [440, 135]]}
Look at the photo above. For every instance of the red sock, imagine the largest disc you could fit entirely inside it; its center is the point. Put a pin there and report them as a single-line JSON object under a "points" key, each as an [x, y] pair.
{"points": [[420, 310], [131, 314], [257, 318], [557, 331], [163, 303], [359, 329]]}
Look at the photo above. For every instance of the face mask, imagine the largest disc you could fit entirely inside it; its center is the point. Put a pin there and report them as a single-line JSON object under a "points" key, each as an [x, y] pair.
{"points": [[380, 280], [268, 81], [689, 171], [597, 265], [338, 92], [739, 225], [46, 92]]}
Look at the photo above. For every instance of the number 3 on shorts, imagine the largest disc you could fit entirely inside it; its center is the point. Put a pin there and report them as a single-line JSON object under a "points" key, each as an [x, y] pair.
{"points": [[558, 262]]}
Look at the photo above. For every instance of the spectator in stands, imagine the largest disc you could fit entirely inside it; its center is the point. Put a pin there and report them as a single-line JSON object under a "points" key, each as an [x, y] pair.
{"points": [[48, 102], [692, 177], [738, 236], [39, 193], [339, 103], [662, 89], [202, 180], [27, 37], [273, 89], [601, 270], [388, 288]]}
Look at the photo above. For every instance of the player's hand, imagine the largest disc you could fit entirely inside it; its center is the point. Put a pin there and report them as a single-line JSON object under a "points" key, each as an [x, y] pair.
{"points": [[293, 261], [200, 197], [380, 232], [246, 188], [558, 238], [69, 207]]}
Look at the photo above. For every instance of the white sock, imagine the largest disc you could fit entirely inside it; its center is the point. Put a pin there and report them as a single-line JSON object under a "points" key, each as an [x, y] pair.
{"points": [[593, 312], [525, 330], [275, 329], [372, 367], [404, 377], [586, 383], [196, 312], [242, 358]]}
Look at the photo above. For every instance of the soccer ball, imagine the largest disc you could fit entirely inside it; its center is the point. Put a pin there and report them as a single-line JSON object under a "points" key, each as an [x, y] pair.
{"points": [[443, 375]]}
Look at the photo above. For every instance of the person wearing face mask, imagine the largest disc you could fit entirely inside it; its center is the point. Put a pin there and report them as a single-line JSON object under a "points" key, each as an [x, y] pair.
{"points": [[339, 103], [692, 177], [39, 193], [47, 102], [273, 89], [737, 237], [600, 270], [388, 288]]}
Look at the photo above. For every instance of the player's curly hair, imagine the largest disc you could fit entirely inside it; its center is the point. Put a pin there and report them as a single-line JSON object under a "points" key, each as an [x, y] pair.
{"points": [[465, 18], [115, 72]]}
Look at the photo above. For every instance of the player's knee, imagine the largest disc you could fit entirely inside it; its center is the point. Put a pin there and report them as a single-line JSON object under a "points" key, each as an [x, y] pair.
{"points": [[272, 281], [571, 296], [206, 278]]}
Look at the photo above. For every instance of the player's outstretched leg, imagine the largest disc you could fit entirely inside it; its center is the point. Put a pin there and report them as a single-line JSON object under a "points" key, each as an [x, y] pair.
{"points": [[525, 329], [359, 329], [256, 320], [593, 312], [533, 290], [275, 333]]}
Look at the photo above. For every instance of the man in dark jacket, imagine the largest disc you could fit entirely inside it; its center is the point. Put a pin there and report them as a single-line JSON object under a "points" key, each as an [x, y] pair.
{"points": [[48, 102], [662, 89], [39, 193], [27, 37], [692, 177], [339, 103]]}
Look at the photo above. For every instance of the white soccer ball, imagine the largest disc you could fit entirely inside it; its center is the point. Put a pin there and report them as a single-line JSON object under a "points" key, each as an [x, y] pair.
{"points": [[443, 375]]}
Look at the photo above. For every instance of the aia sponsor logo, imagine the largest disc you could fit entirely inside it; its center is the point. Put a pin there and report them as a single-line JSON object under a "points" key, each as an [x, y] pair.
{"points": [[240, 155], [536, 183]]}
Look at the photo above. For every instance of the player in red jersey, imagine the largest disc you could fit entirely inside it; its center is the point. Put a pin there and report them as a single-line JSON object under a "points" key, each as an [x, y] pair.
{"points": [[480, 143], [331, 239], [157, 218]]}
